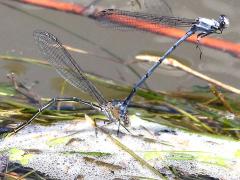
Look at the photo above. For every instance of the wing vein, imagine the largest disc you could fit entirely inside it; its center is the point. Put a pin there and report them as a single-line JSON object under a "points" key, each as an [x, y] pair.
{"points": [[52, 49]]}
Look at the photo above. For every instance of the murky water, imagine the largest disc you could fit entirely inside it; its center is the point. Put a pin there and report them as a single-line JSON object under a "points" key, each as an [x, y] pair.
{"points": [[18, 21]]}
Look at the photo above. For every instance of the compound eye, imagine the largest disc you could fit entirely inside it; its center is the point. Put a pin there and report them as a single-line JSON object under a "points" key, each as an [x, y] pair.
{"points": [[224, 21]]}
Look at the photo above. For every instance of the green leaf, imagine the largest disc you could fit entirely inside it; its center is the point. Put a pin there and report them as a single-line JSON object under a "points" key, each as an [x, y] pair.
{"points": [[93, 153], [152, 155], [19, 155], [58, 141], [216, 160], [182, 156], [6, 90], [25, 159], [237, 153]]}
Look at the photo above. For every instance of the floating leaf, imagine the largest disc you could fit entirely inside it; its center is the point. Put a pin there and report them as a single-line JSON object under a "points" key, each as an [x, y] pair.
{"points": [[216, 160], [19, 155], [237, 153], [16, 154], [58, 141], [25, 159], [181, 156], [152, 155]]}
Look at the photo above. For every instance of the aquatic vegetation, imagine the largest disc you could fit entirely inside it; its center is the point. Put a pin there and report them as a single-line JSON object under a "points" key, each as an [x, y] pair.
{"points": [[199, 113], [173, 135]]}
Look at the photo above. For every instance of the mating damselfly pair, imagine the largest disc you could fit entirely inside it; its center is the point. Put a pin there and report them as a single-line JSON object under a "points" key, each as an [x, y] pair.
{"points": [[115, 110]]}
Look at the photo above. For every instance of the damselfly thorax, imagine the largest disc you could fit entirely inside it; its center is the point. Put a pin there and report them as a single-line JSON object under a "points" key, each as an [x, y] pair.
{"points": [[113, 112], [207, 26]]}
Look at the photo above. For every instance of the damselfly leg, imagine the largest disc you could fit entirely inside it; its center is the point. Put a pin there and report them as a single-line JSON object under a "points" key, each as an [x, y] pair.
{"points": [[52, 102]]}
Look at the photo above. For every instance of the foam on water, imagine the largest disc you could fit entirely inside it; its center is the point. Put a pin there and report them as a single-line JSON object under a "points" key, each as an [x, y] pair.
{"points": [[60, 145]]}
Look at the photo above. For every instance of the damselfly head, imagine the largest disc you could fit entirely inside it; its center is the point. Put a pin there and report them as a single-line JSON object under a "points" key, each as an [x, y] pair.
{"points": [[223, 22]]}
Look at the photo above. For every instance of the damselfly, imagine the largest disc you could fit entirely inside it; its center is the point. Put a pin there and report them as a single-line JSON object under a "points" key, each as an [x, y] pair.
{"points": [[52, 49], [122, 19]]}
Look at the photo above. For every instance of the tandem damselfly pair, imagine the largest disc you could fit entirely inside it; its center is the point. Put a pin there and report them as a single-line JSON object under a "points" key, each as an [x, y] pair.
{"points": [[116, 110]]}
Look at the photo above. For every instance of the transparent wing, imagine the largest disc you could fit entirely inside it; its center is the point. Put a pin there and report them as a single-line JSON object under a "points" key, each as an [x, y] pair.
{"points": [[52, 49], [121, 19]]}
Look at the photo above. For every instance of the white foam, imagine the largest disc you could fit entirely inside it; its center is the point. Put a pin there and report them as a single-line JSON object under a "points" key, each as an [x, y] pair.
{"points": [[59, 165]]}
